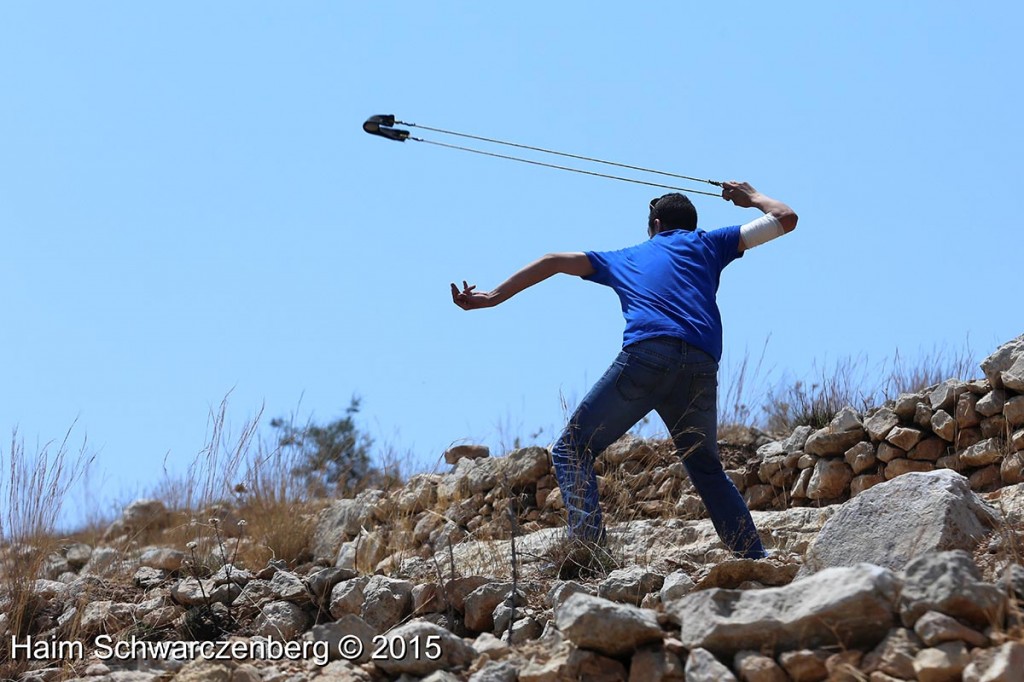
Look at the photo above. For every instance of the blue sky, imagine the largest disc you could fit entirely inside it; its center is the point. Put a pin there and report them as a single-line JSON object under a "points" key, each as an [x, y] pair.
{"points": [[189, 207]]}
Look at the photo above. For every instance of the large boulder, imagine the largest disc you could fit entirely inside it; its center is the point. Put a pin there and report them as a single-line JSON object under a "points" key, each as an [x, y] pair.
{"points": [[1008, 357], [893, 522], [605, 626], [851, 606]]}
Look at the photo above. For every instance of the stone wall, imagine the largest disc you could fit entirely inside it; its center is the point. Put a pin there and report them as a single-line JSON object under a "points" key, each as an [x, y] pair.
{"points": [[975, 428]]}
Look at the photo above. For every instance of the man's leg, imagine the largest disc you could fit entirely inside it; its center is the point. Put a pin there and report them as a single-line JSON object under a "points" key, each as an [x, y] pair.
{"points": [[615, 403], [691, 415]]}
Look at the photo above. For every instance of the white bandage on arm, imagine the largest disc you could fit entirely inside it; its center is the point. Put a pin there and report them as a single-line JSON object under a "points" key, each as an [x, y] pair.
{"points": [[759, 231]]}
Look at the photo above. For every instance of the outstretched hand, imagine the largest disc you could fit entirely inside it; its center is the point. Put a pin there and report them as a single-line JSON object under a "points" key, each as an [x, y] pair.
{"points": [[468, 299], [739, 193]]}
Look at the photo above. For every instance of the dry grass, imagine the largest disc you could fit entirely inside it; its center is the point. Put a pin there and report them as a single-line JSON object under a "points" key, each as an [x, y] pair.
{"points": [[33, 493], [751, 395]]}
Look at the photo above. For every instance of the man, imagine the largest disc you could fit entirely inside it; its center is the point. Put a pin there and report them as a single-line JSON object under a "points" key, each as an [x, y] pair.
{"points": [[671, 348]]}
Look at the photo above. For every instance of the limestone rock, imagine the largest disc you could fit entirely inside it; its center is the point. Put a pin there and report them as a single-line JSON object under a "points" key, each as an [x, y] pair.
{"points": [[106, 617], [843, 666], [192, 592], [480, 603], [936, 628], [887, 452], [830, 479], [895, 654], [988, 451], [895, 521], [146, 577], [966, 412], [1013, 411], [342, 521], [348, 625], [943, 663], [77, 554], [928, 449], [861, 457], [1013, 378], [906, 405], [525, 629], [563, 589], [732, 573], [702, 666], [493, 671], [994, 427], [199, 670], [965, 438], [948, 582], [104, 561], [944, 426], [804, 665], [923, 416], [411, 641], [755, 667], [676, 585], [904, 437], [1001, 360], [899, 467], [853, 604], [795, 441], [457, 452], [629, 585], [1004, 663], [458, 588], [281, 620], [861, 483], [164, 558], [1011, 469], [524, 466], [881, 423], [145, 513], [825, 442], [419, 493], [655, 664], [607, 627], [320, 584], [992, 403], [286, 586], [427, 598], [943, 396], [773, 467], [385, 601], [347, 597]]}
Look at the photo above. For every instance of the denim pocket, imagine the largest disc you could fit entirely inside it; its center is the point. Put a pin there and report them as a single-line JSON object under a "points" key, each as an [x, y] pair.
{"points": [[641, 376], [704, 391]]}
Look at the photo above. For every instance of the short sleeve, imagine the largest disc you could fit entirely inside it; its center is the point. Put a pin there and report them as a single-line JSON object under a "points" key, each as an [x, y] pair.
{"points": [[601, 262], [726, 244]]}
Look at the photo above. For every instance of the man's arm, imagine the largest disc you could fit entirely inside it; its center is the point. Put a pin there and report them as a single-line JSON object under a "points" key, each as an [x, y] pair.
{"points": [[779, 219], [537, 271]]}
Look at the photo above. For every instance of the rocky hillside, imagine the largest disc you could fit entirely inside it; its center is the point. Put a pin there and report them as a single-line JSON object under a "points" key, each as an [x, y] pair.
{"points": [[898, 538]]}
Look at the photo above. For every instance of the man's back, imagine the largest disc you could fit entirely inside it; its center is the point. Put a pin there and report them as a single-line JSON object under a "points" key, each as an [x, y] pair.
{"points": [[667, 285]]}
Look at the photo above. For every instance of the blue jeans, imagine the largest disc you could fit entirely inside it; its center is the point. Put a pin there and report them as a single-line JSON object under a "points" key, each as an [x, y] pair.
{"points": [[680, 381]]}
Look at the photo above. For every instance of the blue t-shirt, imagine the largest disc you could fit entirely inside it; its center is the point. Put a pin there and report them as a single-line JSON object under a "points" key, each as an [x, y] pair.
{"points": [[667, 285]]}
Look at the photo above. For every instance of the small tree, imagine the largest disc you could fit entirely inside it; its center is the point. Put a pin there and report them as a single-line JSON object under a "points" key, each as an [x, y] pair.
{"points": [[333, 458]]}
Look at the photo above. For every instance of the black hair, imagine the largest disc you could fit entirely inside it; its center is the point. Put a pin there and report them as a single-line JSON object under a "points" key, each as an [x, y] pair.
{"points": [[675, 213]]}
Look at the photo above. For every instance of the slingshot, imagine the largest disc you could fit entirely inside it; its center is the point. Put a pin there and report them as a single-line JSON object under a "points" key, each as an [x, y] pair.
{"points": [[382, 125]]}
